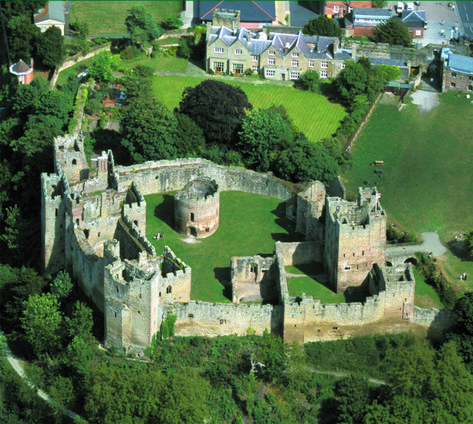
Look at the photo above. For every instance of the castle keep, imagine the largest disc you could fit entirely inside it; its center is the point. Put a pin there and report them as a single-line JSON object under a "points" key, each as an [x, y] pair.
{"points": [[94, 225]]}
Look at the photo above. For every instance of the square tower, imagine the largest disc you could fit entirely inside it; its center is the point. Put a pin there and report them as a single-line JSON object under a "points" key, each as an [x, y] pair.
{"points": [[355, 238]]}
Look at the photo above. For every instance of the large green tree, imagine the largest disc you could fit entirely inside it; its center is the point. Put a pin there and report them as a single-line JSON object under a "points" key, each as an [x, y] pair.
{"points": [[392, 32], [263, 134], [217, 108], [50, 48], [42, 322], [149, 131], [322, 26], [103, 66], [142, 27]]}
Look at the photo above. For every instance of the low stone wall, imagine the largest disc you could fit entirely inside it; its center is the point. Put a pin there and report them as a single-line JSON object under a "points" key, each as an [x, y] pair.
{"points": [[164, 176], [219, 319], [440, 319]]}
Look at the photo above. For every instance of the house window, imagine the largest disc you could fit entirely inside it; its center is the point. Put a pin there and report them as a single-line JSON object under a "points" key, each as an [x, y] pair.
{"points": [[294, 75], [295, 54], [219, 67], [453, 85], [218, 49], [454, 74], [168, 290], [272, 53], [348, 268], [238, 51], [254, 68], [311, 63], [269, 73], [254, 58], [323, 74], [470, 78], [324, 65], [237, 68], [470, 88], [295, 63], [418, 32], [271, 61], [335, 9]]}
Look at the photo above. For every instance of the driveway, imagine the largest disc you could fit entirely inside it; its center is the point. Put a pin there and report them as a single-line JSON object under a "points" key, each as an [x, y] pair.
{"points": [[425, 100], [431, 244]]}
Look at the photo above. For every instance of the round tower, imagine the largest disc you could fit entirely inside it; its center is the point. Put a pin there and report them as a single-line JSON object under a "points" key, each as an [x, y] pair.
{"points": [[196, 208]]}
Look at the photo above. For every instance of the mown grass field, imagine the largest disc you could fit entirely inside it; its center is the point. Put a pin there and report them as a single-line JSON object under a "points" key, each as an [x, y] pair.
{"points": [[249, 224], [108, 17], [312, 113], [427, 183]]}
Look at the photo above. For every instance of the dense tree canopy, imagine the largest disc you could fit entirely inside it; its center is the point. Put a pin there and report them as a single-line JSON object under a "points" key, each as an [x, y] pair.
{"points": [[142, 27], [217, 108], [309, 80], [322, 26], [50, 47], [102, 67], [392, 32]]}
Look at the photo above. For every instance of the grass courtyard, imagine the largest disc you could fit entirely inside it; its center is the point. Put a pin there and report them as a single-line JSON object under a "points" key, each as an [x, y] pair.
{"points": [[249, 225], [312, 113], [106, 17], [427, 184]]}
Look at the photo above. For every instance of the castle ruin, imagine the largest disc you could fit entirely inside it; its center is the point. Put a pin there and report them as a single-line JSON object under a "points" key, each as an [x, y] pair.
{"points": [[94, 225]]}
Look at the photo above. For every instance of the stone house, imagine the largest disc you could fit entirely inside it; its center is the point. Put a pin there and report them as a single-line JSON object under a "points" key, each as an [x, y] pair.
{"points": [[340, 8], [415, 22], [277, 56], [457, 72], [365, 20], [51, 15]]}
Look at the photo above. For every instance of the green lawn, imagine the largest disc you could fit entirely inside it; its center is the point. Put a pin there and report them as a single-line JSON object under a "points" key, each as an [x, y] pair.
{"points": [[312, 113], [249, 224], [427, 181], [425, 295], [308, 285], [108, 17]]}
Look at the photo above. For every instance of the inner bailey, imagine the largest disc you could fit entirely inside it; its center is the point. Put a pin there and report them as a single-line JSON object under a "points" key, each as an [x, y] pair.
{"points": [[94, 224]]}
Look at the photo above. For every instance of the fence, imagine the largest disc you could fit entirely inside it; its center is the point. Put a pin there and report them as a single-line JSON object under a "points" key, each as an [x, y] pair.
{"points": [[364, 120]]}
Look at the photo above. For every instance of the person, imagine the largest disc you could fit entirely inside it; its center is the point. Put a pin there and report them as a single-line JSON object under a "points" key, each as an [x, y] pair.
{"points": [[162, 234]]}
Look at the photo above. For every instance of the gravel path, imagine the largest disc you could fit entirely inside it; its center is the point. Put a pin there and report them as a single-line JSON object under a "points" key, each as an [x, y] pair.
{"points": [[431, 244], [426, 100]]}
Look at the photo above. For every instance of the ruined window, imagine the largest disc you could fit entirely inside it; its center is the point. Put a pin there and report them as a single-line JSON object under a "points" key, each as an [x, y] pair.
{"points": [[207, 230], [135, 222], [139, 296], [347, 268], [454, 74], [86, 233], [139, 312], [168, 290], [353, 254], [116, 289], [74, 162], [77, 221], [115, 314], [159, 294], [470, 88], [192, 216], [362, 253], [453, 85], [98, 235]]}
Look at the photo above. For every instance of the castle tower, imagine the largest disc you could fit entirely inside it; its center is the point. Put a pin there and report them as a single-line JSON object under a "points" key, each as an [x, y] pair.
{"points": [[355, 238], [196, 208]]}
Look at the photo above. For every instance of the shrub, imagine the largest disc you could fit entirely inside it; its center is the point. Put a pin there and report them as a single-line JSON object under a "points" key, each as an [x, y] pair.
{"points": [[129, 53], [172, 21]]}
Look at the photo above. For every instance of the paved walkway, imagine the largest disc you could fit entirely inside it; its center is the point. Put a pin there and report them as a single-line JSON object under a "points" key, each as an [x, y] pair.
{"points": [[431, 244], [16, 365]]}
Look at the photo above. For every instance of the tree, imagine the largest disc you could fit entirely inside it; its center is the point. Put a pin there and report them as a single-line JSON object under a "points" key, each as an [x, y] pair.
{"points": [[305, 162], [351, 81], [392, 32], [27, 97], [149, 131], [379, 4], [55, 103], [172, 21], [263, 133], [102, 67], [22, 36], [469, 242], [309, 81], [352, 395], [217, 108], [42, 323], [390, 73], [61, 286], [322, 26], [50, 47], [142, 27], [191, 138], [184, 50]]}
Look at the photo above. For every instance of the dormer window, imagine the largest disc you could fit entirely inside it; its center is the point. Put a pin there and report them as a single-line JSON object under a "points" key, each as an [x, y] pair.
{"points": [[238, 51], [272, 53], [295, 54]]}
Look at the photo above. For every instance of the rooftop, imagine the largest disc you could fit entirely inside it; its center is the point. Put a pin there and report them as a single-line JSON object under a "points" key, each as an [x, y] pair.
{"points": [[250, 11]]}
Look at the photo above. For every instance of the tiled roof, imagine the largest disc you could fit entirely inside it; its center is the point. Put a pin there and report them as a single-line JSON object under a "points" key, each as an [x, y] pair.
{"points": [[373, 13], [250, 11], [20, 67], [53, 10], [460, 63], [413, 18]]}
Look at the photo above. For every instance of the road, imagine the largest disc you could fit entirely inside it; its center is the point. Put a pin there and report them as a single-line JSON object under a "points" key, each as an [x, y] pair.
{"points": [[465, 12]]}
